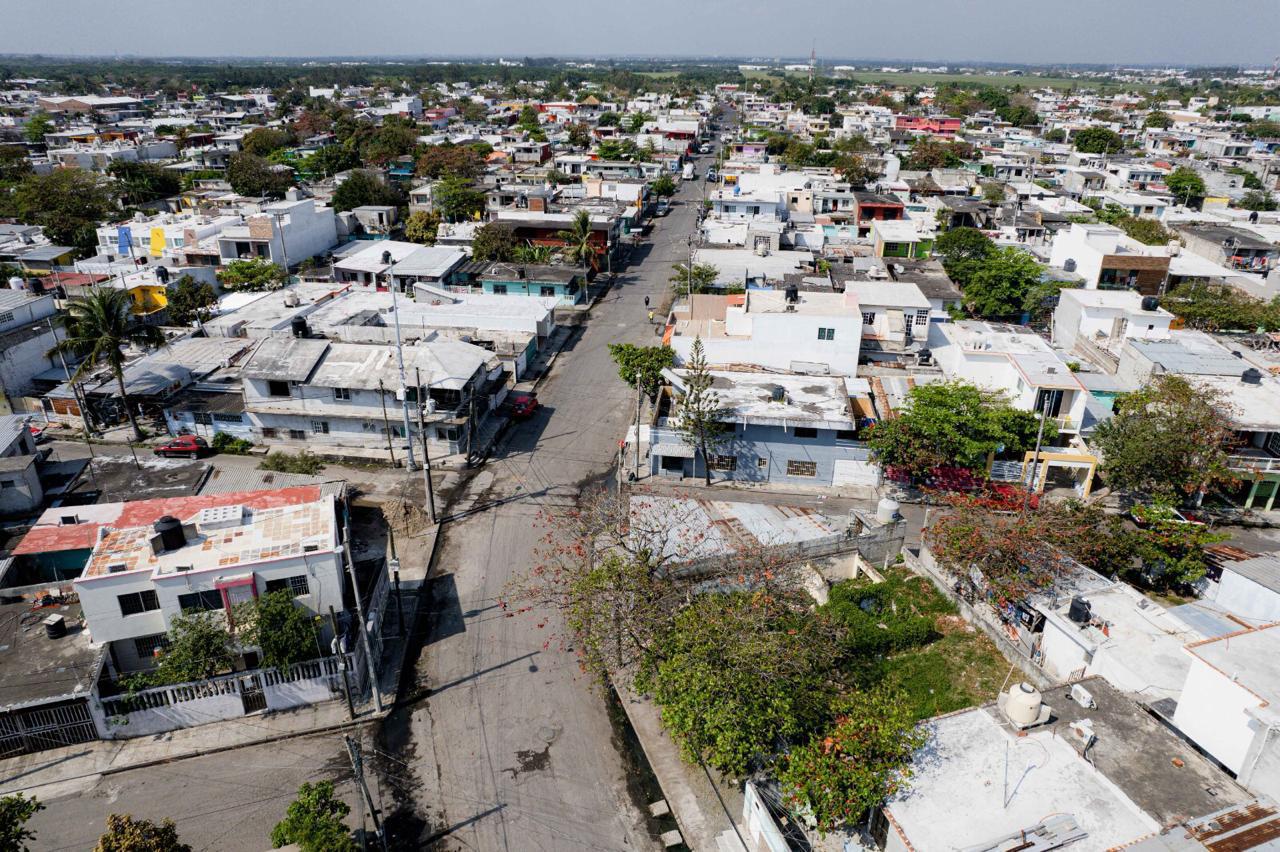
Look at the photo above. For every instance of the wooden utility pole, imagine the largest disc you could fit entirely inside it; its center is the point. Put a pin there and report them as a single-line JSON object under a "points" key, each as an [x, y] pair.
{"points": [[426, 454]]}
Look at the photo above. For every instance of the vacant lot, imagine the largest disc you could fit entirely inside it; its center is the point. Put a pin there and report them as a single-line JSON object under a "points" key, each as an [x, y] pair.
{"points": [[904, 633]]}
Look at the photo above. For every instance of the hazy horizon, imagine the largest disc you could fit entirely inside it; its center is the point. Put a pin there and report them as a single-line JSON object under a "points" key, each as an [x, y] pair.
{"points": [[1098, 32]]}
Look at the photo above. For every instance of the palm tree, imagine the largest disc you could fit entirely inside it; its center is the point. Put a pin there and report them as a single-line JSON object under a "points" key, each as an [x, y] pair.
{"points": [[577, 242], [535, 254], [99, 327]]}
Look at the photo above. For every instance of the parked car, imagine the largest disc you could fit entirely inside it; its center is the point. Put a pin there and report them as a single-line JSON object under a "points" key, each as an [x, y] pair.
{"points": [[523, 405], [705, 149], [663, 208], [190, 446], [711, 175]]}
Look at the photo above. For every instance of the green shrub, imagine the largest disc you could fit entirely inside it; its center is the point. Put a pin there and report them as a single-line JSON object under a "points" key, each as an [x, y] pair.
{"points": [[303, 462], [877, 620], [231, 445]]}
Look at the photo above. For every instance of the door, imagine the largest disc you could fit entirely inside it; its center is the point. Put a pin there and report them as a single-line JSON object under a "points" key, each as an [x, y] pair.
{"points": [[251, 694]]}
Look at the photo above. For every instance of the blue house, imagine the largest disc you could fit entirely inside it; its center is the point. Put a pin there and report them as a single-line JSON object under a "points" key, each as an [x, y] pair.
{"points": [[787, 429], [516, 279]]}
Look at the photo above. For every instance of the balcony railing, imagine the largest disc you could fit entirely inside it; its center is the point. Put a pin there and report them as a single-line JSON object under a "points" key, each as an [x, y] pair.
{"points": [[1255, 464]]}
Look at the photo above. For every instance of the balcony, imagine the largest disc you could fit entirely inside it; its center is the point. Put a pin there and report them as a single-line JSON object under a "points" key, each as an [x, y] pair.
{"points": [[1254, 463]]}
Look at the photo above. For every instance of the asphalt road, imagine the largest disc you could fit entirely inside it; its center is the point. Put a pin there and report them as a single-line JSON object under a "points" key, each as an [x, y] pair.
{"points": [[513, 748]]}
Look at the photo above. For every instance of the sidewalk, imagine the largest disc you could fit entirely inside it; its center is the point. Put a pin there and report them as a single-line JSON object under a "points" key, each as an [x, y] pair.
{"points": [[72, 767]]}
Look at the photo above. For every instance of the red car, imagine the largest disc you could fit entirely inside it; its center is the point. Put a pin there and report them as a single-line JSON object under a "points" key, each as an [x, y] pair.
{"points": [[184, 445], [523, 405]]}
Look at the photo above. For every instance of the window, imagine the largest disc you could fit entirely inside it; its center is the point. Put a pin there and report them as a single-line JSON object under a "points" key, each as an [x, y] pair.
{"points": [[762, 462], [8, 483], [447, 434], [227, 418], [202, 418], [868, 318], [320, 427], [724, 462], [7, 316], [806, 432], [275, 388], [922, 317], [846, 435], [826, 334], [146, 646], [342, 393], [269, 432], [200, 601], [499, 289], [296, 586], [547, 291], [370, 426], [802, 468], [136, 602], [297, 435]]}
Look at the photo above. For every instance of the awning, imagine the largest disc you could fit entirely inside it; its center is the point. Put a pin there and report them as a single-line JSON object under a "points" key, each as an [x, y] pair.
{"points": [[681, 451]]}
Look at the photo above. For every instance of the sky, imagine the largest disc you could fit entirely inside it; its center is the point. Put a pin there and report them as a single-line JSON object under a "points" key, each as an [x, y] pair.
{"points": [[1185, 32]]}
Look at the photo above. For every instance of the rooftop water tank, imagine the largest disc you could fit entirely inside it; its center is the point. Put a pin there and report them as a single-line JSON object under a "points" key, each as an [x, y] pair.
{"points": [[887, 510]]}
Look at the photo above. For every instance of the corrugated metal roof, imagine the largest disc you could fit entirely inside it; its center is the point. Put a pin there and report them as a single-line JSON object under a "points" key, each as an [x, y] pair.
{"points": [[1263, 570]]}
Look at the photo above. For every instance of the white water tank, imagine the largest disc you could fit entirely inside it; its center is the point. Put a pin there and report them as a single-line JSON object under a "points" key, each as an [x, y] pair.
{"points": [[1024, 706], [887, 510], [16, 283]]}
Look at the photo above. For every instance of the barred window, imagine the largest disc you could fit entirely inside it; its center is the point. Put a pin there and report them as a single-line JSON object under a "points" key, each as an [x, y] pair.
{"points": [[296, 585], [802, 468], [724, 462]]}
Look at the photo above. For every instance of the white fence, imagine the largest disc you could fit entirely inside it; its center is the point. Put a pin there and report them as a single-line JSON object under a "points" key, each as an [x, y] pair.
{"points": [[183, 705]]}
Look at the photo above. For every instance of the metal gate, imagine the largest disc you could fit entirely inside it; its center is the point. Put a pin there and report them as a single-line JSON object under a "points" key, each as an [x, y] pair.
{"points": [[37, 729], [251, 694]]}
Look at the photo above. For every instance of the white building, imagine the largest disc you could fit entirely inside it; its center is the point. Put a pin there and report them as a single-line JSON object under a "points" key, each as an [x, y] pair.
{"points": [[810, 333], [1228, 704], [1250, 588], [285, 232], [1012, 360], [26, 336], [207, 559], [1104, 257], [1107, 318]]}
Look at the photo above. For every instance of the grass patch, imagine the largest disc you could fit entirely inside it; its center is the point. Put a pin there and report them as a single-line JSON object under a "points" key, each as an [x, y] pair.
{"points": [[303, 462], [946, 667]]}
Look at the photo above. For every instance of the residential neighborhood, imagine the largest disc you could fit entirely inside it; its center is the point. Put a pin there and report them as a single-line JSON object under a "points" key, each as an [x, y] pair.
{"points": [[526, 444]]}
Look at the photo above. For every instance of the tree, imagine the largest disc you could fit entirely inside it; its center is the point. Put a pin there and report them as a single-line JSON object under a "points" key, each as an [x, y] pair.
{"points": [[393, 139], [1147, 231], [862, 759], [641, 366], [454, 198], [494, 241], [362, 188], [189, 300], [1057, 134], [1167, 439], [579, 243], [1159, 120], [1262, 130], [1257, 200], [1098, 140], [1222, 308], [254, 176], [315, 821], [700, 278], [282, 630], [855, 171], [253, 275], [636, 121], [701, 416], [609, 119], [952, 423], [14, 165], [199, 647], [737, 675], [993, 192], [15, 810], [534, 254], [448, 159], [263, 141], [1020, 115], [999, 284], [663, 186], [126, 834], [579, 135], [36, 127], [143, 182], [421, 227], [98, 328], [329, 161], [927, 154], [1185, 183], [529, 118], [68, 203], [962, 250]]}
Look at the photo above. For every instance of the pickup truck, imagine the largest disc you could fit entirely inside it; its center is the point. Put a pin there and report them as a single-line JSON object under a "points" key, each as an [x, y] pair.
{"points": [[190, 446]]}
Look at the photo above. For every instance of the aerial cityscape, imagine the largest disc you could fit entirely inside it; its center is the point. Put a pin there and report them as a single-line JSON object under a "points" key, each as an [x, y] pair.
{"points": [[722, 427]]}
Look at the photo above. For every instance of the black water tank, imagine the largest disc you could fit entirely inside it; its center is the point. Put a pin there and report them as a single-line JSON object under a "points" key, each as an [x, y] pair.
{"points": [[55, 627], [1251, 376], [170, 531], [1080, 611], [298, 325], [1150, 303]]}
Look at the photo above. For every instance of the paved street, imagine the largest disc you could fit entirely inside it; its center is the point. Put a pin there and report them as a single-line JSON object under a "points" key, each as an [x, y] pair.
{"points": [[514, 748]]}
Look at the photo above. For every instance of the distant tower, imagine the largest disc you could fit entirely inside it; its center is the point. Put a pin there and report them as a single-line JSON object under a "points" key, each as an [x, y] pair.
{"points": [[1275, 67], [813, 59]]}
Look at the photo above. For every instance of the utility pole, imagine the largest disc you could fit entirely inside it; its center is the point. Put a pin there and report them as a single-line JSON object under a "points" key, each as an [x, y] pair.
{"points": [[404, 390], [639, 392], [1035, 457], [386, 423], [357, 769], [364, 629], [426, 453], [342, 663]]}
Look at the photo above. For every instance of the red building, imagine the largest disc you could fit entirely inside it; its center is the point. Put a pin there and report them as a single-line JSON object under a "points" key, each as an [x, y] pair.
{"points": [[940, 124]]}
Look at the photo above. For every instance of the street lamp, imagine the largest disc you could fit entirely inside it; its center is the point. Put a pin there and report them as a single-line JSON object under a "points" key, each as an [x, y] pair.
{"points": [[404, 391]]}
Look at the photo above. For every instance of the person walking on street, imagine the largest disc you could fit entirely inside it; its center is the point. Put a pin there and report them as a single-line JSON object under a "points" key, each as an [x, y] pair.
{"points": [[646, 301], [650, 316]]}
